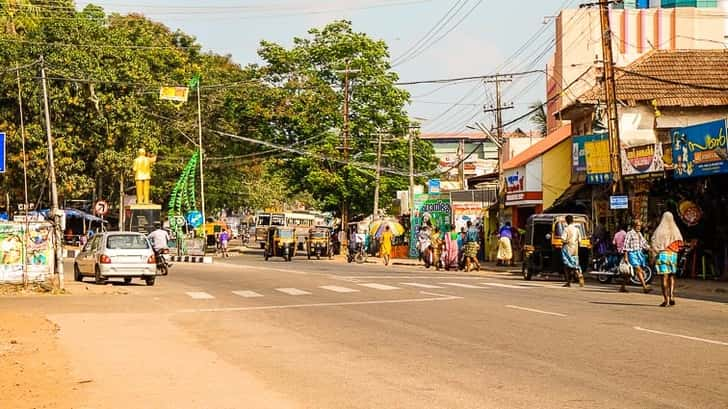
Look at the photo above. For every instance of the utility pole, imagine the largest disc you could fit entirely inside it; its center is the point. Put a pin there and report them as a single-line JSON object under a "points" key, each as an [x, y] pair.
{"points": [[378, 176], [610, 92], [461, 164], [202, 172], [411, 175], [499, 107], [55, 211], [26, 236]]}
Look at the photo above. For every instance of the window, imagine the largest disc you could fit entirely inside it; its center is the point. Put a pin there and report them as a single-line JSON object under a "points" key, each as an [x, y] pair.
{"points": [[127, 241]]}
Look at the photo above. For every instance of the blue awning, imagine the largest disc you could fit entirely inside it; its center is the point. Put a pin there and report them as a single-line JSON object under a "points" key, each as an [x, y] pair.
{"points": [[72, 213]]}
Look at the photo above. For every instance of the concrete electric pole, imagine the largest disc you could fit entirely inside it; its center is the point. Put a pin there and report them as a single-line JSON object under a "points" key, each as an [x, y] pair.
{"points": [[55, 211]]}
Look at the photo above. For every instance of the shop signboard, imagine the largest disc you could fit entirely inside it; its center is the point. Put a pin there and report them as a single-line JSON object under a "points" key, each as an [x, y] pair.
{"points": [[700, 150], [619, 202], [642, 160], [434, 185], [38, 254], [590, 155], [430, 211]]}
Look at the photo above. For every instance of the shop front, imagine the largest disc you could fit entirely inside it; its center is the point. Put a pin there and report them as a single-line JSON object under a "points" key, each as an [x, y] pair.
{"points": [[524, 195]]}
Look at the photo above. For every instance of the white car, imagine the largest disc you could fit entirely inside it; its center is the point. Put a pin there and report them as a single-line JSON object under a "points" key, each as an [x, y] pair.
{"points": [[116, 254]]}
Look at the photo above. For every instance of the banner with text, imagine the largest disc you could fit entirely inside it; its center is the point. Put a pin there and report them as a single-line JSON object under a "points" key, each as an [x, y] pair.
{"points": [[641, 160], [700, 150], [590, 156]]}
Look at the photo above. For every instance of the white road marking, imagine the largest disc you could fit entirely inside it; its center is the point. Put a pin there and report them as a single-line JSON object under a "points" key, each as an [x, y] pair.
{"points": [[515, 307], [199, 295], [339, 289], [419, 277], [293, 291], [505, 285], [462, 285], [247, 294], [709, 341], [421, 285], [328, 304], [379, 286]]}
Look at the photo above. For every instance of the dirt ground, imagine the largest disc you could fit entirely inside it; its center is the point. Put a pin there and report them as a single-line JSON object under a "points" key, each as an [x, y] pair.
{"points": [[33, 369]]}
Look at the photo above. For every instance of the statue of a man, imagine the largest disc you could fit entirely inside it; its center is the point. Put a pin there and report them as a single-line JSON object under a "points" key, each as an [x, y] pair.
{"points": [[143, 175]]}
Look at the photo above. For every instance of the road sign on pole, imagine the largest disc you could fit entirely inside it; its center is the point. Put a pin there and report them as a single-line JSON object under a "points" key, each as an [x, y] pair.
{"points": [[2, 152], [101, 208]]}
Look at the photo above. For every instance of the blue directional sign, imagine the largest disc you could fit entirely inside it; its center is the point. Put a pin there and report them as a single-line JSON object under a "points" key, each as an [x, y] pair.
{"points": [[2, 152], [194, 218]]}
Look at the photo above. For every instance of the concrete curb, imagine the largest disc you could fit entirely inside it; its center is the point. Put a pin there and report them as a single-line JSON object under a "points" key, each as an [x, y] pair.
{"points": [[189, 259]]}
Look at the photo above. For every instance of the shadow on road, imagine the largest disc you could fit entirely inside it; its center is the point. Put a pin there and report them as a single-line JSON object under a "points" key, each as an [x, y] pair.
{"points": [[623, 303]]}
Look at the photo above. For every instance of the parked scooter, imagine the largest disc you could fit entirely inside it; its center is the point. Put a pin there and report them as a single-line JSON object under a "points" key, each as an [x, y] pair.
{"points": [[606, 269], [356, 252], [163, 265]]}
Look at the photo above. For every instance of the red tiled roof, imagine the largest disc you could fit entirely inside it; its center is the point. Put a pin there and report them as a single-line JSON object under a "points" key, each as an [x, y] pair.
{"points": [[538, 149], [687, 78]]}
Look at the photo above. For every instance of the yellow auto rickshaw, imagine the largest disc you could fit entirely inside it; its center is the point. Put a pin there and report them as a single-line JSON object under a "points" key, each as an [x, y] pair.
{"points": [[280, 242], [318, 243], [543, 243]]}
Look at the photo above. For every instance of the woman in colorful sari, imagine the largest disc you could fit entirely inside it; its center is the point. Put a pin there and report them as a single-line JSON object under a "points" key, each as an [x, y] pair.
{"points": [[666, 243], [451, 248], [436, 241]]}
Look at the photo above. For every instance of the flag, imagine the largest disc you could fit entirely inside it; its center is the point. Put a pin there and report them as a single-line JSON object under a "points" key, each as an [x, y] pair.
{"points": [[195, 81]]}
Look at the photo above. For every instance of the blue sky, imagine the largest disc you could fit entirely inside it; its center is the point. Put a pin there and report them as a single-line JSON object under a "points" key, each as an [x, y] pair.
{"points": [[492, 32]]}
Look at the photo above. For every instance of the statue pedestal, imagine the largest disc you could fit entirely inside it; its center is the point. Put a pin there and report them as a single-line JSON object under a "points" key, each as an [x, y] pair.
{"points": [[141, 217]]}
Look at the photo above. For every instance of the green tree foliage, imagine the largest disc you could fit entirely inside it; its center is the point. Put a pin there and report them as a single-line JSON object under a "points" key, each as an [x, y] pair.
{"points": [[104, 75]]}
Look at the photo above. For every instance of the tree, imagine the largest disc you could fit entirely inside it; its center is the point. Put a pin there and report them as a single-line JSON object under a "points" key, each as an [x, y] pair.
{"points": [[539, 117], [18, 15]]}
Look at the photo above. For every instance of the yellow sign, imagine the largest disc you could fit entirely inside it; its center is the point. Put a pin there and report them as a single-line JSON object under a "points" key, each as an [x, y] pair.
{"points": [[176, 94], [597, 157]]}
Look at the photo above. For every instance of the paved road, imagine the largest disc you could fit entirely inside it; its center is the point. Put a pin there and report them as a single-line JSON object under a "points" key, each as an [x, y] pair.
{"points": [[325, 334]]}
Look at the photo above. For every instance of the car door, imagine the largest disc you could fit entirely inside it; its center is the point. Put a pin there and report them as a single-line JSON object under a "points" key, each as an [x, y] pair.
{"points": [[87, 256]]}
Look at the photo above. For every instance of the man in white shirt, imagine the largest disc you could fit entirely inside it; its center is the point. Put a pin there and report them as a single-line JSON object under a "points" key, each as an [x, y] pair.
{"points": [[159, 238]]}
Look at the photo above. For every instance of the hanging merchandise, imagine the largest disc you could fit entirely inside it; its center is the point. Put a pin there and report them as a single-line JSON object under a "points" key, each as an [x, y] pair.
{"points": [[690, 213]]}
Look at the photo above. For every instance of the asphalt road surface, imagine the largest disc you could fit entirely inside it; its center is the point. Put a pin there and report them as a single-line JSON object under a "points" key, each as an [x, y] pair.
{"points": [[245, 333]]}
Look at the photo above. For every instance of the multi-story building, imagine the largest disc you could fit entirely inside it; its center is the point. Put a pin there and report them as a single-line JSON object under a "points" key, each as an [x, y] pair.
{"points": [[638, 26]]}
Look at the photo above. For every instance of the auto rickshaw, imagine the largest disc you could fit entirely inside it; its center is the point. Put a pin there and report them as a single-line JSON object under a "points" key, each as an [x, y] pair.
{"points": [[280, 242], [318, 243], [543, 243]]}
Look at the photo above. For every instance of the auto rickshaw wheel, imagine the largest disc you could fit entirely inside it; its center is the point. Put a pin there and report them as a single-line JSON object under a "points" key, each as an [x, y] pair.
{"points": [[527, 273], [265, 254]]}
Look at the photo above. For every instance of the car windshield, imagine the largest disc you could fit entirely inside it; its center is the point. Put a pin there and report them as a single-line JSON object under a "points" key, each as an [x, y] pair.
{"points": [[285, 234], [127, 241]]}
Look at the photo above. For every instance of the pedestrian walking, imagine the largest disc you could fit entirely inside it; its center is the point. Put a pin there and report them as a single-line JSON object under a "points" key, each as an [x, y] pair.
{"points": [[666, 243], [505, 246], [471, 248], [224, 239], [635, 246], [570, 252], [385, 245], [436, 240], [451, 249], [462, 239]]}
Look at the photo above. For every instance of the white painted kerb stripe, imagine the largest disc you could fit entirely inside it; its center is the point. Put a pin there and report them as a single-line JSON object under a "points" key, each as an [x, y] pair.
{"points": [[380, 286], [504, 285], [462, 285], [199, 295], [421, 285], [339, 289], [515, 307], [709, 341], [247, 294], [292, 291]]}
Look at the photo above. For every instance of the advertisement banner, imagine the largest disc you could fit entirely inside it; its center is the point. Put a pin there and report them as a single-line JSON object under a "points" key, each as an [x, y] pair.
{"points": [[590, 156], [464, 212], [700, 150], [640, 160], [431, 212], [39, 253]]}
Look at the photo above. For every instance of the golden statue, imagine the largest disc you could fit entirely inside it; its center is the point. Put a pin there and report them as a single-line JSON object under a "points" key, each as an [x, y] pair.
{"points": [[143, 175]]}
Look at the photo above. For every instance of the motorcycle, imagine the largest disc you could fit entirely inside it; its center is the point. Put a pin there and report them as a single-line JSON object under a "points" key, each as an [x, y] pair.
{"points": [[356, 252], [606, 268], [427, 253], [163, 265]]}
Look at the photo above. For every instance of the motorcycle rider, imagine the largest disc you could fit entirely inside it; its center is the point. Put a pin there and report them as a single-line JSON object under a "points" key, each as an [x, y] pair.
{"points": [[159, 238]]}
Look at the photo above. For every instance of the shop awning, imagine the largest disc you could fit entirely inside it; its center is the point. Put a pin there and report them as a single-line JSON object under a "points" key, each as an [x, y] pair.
{"points": [[568, 196], [73, 214]]}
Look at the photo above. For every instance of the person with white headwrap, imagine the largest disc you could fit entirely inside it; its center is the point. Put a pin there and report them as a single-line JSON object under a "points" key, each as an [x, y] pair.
{"points": [[666, 243]]}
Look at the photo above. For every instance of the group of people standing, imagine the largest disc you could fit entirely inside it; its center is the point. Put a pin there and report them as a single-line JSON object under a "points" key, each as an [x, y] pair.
{"points": [[451, 249]]}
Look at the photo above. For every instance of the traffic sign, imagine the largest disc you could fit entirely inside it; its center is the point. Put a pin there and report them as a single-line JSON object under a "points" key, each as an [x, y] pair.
{"points": [[194, 218], [101, 208], [2, 152]]}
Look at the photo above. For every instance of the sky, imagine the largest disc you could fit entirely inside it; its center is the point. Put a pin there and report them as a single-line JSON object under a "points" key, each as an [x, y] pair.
{"points": [[474, 37]]}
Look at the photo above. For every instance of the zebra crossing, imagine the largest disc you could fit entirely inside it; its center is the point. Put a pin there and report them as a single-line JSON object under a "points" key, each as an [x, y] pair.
{"points": [[358, 287]]}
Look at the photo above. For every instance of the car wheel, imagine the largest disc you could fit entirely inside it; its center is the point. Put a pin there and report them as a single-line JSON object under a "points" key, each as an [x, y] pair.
{"points": [[77, 273], [150, 280], [127, 280], [97, 275]]}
